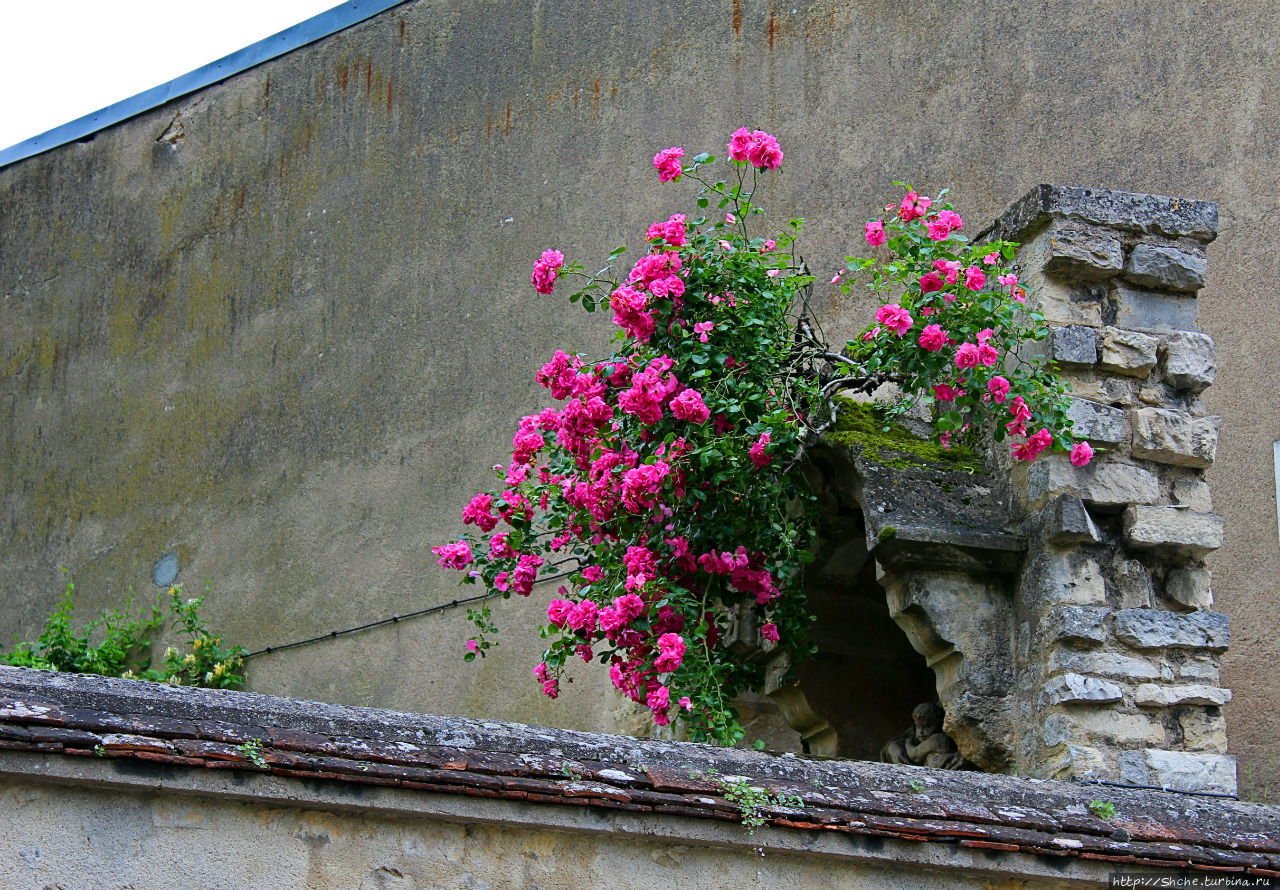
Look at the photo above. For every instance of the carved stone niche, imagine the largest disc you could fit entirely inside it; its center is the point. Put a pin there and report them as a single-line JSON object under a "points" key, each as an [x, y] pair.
{"points": [[912, 588]]}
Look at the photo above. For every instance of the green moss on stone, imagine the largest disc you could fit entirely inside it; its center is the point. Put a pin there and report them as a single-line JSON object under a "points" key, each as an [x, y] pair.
{"points": [[858, 424]]}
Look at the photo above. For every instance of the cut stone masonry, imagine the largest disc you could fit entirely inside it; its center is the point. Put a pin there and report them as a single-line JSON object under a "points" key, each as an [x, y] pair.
{"points": [[1065, 611], [1108, 633]]}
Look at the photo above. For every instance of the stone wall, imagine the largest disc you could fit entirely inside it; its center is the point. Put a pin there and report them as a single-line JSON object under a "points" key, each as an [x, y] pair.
{"points": [[269, 347], [1118, 649]]}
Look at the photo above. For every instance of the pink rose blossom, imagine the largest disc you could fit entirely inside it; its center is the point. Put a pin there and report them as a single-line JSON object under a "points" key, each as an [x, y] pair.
{"points": [[769, 631], [739, 142], [974, 278], [592, 574], [895, 318], [835, 279], [478, 512], [630, 312], [558, 612], [685, 703], [1081, 454], [933, 337], [913, 206], [730, 218], [756, 452], [667, 163], [473, 647], [945, 393], [768, 246], [875, 233], [998, 387], [967, 356], [688, 406], [1008, 280], [658, 698], [871, 334], [990, 259], [453, 556], [930, 283], [987, 355], [671, 649], [545, 269], [702, 329], [672, 231]]}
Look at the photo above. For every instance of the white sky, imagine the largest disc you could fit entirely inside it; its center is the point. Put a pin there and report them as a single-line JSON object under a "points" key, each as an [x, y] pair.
{"points": [[63, 59]]}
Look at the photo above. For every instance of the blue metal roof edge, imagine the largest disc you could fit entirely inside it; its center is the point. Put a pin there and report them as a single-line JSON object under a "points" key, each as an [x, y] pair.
{"points": [[330, 22]]}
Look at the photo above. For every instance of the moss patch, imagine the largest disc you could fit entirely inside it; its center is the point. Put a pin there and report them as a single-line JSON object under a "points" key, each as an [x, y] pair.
{"points": [[858, 424]]}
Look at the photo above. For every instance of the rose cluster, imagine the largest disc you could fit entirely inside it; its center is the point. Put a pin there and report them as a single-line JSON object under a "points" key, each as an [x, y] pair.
{"points": [[953, 331]]}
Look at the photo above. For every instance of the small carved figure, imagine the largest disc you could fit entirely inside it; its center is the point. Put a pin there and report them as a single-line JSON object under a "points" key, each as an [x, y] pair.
{"points": [[925, 744]]}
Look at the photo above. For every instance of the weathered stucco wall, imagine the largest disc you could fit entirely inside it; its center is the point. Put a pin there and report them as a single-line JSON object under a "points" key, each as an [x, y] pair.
{"points": [[282, 326]]}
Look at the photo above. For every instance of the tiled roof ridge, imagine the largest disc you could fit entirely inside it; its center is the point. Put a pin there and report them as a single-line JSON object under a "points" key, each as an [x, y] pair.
{"points": [[189, 728]]}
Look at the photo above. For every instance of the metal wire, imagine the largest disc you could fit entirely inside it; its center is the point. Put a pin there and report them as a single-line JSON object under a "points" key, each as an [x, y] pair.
{"points": [[334, 634]]}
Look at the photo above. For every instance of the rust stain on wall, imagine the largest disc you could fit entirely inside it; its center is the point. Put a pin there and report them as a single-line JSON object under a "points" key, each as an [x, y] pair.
{"points": [[737, 17], [773, 27], [506, 127]]}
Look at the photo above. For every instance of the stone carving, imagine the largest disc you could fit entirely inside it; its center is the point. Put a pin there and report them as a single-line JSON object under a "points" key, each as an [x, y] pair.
{"points": [[925, 744]]}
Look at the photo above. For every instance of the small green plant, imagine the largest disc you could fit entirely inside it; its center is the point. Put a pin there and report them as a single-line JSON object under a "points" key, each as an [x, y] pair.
{"points": [[124, 641], [252, 750], [752, 801], [1102, 809], [571, 771], [915, 786]]}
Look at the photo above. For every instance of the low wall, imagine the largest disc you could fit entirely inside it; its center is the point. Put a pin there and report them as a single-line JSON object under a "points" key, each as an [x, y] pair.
{"points": [[115, 783]]}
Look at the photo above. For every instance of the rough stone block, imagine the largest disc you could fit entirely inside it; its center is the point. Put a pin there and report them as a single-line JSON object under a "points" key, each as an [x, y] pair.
{"points": [[1132, 583], [1103, 483], [1203, 731], [1102, 726], [1128, 352], [1194, 494], [1073, 344], [1204, 668], [1158, 266], [1076, 762], [1107, 664], [1157, 629], [1175, 437], [1082, 255], [1095, 422], [1181, 771], [1068, 522], [1065, 304], [1133, 768], [1129, 211], [1153, 695], [1071, 578], [1067, 688], [1144, 310], [1084, 625], [1189, 360], [1189, 588], [1172, 531]]}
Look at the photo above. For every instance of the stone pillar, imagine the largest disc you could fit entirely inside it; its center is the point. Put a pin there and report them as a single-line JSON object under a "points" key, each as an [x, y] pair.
{"points": [[1117, 647]]}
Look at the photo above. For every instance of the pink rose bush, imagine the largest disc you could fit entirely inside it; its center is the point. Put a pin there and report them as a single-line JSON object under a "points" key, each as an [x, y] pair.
{"points": [[662, 493], [963, 356], [649, 496]]}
